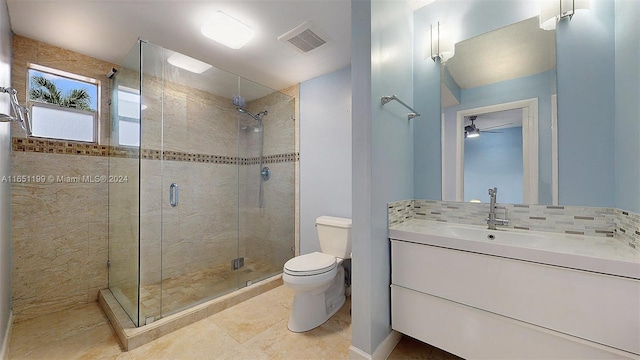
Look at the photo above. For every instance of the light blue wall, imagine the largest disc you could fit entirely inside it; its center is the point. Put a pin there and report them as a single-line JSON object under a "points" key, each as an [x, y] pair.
{"points": [[540, 86], [464, 19], [451, 84], [362, 262], [494, 159], [5, 170], [325, 148], [426, 137], [586, 103], [627, 87], [382, 155]]}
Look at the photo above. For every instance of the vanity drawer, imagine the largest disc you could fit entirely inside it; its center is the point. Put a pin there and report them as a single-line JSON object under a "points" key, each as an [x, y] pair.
{"points": [[476, 334], [596, 307]]}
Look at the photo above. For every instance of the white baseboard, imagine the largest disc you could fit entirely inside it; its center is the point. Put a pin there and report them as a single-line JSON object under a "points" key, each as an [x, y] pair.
{"points": [[4, 351], [382, 351], [357, 354], [387, 345]]}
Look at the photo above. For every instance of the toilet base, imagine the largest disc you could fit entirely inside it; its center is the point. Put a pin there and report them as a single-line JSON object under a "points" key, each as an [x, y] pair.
{"points": [[311, 309]]}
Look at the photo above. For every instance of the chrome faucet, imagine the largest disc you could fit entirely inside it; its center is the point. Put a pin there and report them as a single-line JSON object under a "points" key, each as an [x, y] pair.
{"points": [[492, 221]]}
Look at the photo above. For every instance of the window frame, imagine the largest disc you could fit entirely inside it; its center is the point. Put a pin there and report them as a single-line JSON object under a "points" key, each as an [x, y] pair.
{"points": [[119, 118], [70, 76], [94, 114]]}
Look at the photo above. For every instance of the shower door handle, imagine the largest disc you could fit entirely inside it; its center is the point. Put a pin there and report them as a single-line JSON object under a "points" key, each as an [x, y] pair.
{"points": [[174, 195]]}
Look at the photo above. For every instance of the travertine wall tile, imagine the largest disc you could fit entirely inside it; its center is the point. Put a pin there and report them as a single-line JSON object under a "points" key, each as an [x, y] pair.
{"points": [[294, 92], [60, 226], [123, 227], [59, 233]]}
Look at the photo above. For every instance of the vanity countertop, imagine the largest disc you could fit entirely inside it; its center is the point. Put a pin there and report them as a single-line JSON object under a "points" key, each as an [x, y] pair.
{"points": [[590, 253]]}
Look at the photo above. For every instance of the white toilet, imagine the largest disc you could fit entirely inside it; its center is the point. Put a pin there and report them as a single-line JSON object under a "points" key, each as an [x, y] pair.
{"points": [[318, 278]]}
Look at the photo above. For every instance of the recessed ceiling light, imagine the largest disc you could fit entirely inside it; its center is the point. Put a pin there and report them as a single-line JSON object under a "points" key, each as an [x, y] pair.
{"points": [[226, 30], [188, 63]]}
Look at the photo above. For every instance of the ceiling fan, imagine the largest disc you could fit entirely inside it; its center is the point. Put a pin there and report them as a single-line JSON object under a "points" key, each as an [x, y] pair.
{"points": [[472, 130]]}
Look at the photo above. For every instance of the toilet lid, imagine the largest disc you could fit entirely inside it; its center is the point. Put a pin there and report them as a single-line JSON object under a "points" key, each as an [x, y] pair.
{"points": [[310, 264]]}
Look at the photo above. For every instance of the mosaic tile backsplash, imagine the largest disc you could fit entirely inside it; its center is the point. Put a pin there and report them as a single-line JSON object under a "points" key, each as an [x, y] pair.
{"points": [[628, 228], [400, 212], [591, 221]]}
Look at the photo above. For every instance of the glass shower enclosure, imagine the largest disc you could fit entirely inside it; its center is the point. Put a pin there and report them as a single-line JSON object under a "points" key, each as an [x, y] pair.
{"points": [[201, 183]]}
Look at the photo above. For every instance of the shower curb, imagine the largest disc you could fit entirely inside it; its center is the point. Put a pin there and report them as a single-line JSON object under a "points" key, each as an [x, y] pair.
{"points": [[132, 337]]}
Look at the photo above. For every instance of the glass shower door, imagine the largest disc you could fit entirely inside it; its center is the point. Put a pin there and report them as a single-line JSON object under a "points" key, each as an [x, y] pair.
{"points": [[199, 185], [209, 203], [124, 210], [151, 187]]}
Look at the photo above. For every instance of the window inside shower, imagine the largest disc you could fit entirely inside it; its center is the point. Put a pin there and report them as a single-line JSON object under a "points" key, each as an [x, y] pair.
{"points": [[190, 224], [63, 105]]}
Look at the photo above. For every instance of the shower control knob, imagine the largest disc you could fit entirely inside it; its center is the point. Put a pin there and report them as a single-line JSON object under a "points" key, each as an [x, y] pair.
{"points": [[265, 173]]}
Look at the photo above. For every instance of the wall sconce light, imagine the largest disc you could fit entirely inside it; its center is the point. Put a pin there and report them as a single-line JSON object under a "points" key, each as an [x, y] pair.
{"points": [[441, 46], [551, 11]]}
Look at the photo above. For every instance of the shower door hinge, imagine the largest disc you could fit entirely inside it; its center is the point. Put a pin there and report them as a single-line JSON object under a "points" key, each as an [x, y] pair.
{"points": [[237, 263], [108, 263]]}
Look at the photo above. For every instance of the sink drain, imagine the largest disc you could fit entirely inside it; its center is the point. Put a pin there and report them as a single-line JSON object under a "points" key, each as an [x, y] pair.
{"points": [[491, 236]]}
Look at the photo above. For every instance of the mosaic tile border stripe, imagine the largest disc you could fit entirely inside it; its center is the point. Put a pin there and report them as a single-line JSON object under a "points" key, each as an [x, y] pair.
{"points": [[76, 148], [189, 157], [272, 159], [591, 221], [70, 148]]}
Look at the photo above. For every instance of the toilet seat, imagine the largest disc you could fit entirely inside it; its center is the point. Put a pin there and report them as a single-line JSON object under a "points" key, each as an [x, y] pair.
{"points": [[310, 264]]}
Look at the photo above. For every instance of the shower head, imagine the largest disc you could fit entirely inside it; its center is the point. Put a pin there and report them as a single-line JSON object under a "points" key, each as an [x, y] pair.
{"points": [[262, 114], [6, 118], [257, 116], [21, 112]]}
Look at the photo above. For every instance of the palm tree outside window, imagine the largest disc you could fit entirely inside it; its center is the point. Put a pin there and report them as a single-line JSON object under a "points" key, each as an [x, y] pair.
{"points": [[63, 107]]}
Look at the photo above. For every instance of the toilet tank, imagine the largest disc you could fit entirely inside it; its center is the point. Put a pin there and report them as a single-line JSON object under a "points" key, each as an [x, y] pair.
{"points": [[335, 236]]}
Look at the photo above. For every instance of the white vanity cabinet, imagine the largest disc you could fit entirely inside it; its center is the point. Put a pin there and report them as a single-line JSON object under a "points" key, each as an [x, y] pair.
{"points": [[482, 306]]}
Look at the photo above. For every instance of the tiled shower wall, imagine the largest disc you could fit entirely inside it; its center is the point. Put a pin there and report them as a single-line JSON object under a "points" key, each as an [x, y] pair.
{"points": [[265, 230], [606, 222], [60, 229]]}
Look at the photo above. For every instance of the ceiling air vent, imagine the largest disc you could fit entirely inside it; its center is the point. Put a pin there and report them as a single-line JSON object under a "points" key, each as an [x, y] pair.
{"points": [[305, 37]]}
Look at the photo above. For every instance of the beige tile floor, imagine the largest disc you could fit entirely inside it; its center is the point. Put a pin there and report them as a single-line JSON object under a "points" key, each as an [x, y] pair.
{"points": [[254, 329]]}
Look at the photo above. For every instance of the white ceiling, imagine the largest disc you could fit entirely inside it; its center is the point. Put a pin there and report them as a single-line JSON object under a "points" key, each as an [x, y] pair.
{"points": [[108, 29], [514, 51]]}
